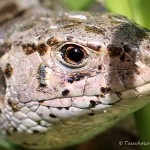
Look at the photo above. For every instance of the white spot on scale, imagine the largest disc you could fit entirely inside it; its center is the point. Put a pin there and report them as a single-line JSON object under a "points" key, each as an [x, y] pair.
{"points": [[105, 111], [39, 128], [29, 122], [109, 99]]}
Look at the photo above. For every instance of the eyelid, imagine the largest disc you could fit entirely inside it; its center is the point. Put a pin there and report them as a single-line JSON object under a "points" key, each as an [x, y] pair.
{"points": [[71, 65]]}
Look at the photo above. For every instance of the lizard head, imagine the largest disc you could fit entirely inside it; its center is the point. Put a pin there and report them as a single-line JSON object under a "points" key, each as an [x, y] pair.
{"points": [[75, 66]]}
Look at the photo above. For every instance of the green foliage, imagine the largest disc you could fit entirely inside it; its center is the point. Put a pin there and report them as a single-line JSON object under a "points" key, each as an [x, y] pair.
{"points": [[77, 4], [142, 118], [138, 10]]}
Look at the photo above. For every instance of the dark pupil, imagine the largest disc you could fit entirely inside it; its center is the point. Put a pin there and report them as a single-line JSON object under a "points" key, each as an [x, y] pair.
{"points": [[75, 54]]}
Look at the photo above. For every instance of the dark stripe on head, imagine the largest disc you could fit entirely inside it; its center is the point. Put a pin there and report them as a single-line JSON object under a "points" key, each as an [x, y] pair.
{"points": [[2, 84]]}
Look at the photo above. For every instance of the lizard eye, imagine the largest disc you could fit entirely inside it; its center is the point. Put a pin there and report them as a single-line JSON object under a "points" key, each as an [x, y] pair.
{"points": [[73, 54]]}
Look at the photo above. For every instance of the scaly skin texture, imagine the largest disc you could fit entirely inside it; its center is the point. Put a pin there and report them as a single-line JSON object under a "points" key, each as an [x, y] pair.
{"points": [[53, 97]]}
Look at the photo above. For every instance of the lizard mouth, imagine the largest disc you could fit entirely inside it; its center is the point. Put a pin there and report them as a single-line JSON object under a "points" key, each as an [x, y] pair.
{"points": [[82, 102], [68, 107], [91, 101], [59, 108], [73, 106]]}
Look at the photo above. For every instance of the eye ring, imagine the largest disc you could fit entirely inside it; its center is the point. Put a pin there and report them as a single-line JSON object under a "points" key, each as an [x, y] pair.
{"points": [[64, 50], [73, 54]]}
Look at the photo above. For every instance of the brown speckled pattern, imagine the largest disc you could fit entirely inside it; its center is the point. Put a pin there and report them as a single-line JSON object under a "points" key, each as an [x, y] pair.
{"points": [[50, 102]]}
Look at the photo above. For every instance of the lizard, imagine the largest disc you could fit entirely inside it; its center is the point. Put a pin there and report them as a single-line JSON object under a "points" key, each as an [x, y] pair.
{"points": [[67, 76]]}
